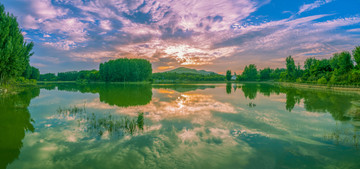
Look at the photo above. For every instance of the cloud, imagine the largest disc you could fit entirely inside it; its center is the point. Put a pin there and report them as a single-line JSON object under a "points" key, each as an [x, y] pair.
{"points": [[45, 10], [198, 34], [63, 45], [316, 4], [106, 25], [72, 28], [30, 22], [354, 30]]}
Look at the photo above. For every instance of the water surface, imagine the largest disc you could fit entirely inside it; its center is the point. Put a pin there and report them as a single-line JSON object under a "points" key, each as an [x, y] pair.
{"points": [[185, 126]]}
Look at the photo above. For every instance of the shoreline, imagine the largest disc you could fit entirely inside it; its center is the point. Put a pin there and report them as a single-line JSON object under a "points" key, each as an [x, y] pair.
{"points": [[345, 89], [75, 82]]}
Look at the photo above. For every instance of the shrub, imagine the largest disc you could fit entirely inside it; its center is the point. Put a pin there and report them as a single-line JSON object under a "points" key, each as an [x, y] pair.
{"points": [[322, 80]]}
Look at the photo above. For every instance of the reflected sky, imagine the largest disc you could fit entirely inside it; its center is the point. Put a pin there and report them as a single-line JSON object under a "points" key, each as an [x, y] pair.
{"points": [[196, 126]]}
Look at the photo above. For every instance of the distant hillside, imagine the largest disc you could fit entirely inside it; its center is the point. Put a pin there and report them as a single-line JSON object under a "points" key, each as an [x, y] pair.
{"points": [[187, 70], [186, 74]]}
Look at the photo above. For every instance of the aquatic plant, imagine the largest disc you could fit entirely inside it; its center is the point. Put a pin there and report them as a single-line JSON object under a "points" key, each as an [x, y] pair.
{"points": [[140, 120], [344, 136], [99, 124], [72, 110]]}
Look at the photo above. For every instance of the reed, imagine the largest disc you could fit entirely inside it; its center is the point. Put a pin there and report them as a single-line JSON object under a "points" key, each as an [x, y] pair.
{"points": [[99, 124]]}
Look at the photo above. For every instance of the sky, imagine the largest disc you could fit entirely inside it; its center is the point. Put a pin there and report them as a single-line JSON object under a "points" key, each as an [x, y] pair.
{"points": [[214, 35]]}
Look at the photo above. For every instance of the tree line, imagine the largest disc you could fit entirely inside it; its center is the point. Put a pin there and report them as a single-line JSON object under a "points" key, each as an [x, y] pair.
{"points": [[119, 70], [83, 75], [173, 76], [341, 68]]}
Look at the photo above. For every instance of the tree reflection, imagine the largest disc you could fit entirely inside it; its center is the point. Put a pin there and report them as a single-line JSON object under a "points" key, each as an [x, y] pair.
{"points": [[122, 95], [340, 105], [126, 95], [182, 88], [15, 120], [228, 88], [250, 90]]}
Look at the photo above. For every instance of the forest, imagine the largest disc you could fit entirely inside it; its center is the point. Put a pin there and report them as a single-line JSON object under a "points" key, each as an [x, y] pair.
{"points": [[341, 68]]}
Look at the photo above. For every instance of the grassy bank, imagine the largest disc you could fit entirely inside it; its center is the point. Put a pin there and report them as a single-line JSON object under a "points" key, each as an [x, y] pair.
{"points": [[15, 86], [342, 88], [6, 90]]}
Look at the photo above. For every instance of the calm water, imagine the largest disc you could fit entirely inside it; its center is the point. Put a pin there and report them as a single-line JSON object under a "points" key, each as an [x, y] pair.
{"points": [[184, 126]]}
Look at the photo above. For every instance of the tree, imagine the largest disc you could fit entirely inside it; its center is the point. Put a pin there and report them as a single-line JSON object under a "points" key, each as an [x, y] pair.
{"points": [[265, 74], [35, 73], [228, 75], [356, 54], [276, 73], [121, 70], [48, 77], [14, 51], [341, 62], [250, 73], [290, 69]]}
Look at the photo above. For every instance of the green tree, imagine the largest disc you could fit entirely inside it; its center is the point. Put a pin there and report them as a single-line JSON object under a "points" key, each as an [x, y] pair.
{"points": [[228, 75], [290, 69], [35, 73], [356, 54], [342, 62], [121, 70], [14, 51], [265, 74], [48, 77], [276, 73], [250, 73]]}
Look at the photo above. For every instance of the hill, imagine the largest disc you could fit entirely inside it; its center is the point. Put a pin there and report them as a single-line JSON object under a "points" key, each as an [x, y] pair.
{"points": [[181, 70], [186, 74]]}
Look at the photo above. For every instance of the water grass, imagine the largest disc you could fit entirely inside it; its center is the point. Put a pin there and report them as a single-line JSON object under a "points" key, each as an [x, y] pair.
{"points": [[344, 136], [100, 123]]}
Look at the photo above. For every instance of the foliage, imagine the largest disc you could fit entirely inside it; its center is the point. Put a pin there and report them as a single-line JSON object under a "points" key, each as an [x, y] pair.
{"points": [[48, 77], [322, 81], [228, 75], [14, 51], [356, 54], [265, 74], [339, 69], [291, 71], [121, 70], [250, 73], [79, 76], [277, 73], [31, 73]]}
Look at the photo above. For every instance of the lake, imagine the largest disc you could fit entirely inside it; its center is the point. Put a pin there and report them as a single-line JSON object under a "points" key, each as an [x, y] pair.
{"points": [[250, 125]]}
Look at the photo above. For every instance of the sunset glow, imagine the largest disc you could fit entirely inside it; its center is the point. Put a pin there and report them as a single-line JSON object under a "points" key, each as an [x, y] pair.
{"points": [[216, 34]]}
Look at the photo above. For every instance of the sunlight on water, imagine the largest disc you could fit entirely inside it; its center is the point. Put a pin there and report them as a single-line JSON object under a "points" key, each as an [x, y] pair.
{"points": [[182, 126]]}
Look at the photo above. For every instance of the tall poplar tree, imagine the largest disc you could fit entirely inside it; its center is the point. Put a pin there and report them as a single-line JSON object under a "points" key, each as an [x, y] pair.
{"points": [[14, 51]]}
